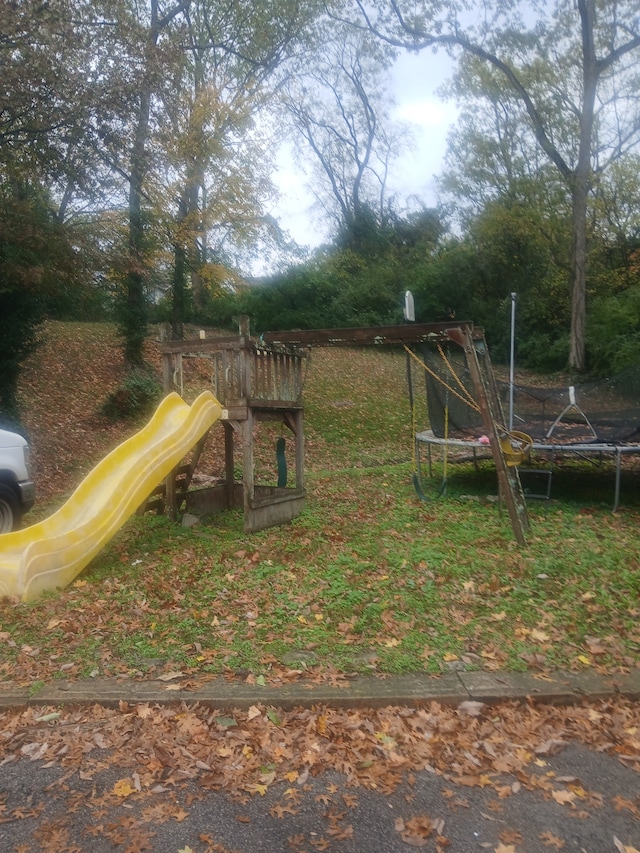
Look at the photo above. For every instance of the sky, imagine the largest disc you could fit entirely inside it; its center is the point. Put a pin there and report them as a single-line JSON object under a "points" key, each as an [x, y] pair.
{"points": [[414, 81]]}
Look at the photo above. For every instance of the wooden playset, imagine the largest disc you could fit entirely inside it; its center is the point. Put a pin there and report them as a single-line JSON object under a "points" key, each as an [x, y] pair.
{"points": [[253, 382]]}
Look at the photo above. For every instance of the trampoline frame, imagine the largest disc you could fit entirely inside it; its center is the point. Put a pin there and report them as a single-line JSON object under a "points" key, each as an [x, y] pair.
{"points": [[481, 450]]}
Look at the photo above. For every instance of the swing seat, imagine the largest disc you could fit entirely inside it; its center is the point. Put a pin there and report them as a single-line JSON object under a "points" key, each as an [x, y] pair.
{"points": [[516, 447]]}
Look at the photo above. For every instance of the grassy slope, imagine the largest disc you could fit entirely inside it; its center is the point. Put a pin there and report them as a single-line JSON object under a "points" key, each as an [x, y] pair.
{"points": [[368, 578]]}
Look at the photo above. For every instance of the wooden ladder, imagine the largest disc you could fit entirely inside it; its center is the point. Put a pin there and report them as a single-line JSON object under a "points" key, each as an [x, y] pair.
{"points": [[486, 392]]}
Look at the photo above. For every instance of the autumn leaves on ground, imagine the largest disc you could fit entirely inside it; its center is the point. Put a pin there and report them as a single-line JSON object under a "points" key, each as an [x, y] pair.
{"points": [[368, 580], [181, 779]]}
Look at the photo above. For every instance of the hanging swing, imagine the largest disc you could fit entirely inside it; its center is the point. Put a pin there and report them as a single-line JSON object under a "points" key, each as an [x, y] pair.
{"points": [[516, 447]]}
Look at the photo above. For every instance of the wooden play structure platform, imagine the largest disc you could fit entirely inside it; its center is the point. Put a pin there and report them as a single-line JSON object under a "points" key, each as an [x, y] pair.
{"points": [[253, 381]]}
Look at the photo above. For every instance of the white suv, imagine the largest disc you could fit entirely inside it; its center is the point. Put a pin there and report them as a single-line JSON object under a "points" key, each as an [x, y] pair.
{"points": [[17, 491]]}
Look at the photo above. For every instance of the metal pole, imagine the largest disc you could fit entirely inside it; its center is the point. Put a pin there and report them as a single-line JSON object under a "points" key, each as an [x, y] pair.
{"points": [[512, 359]]}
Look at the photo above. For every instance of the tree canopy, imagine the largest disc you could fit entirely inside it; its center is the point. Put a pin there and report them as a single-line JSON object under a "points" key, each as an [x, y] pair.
{"points": [[570, 67], [137, 148]]}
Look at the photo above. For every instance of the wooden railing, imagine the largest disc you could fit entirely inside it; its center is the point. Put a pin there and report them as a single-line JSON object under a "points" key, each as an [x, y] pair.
{"points": [[244, 371]]}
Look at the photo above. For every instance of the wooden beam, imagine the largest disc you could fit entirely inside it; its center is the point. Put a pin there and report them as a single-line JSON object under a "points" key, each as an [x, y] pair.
{"points": [[368, 335], [199, 346]]}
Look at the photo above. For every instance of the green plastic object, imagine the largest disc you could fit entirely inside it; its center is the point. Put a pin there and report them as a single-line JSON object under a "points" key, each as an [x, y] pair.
{"points": [[282, 463]]}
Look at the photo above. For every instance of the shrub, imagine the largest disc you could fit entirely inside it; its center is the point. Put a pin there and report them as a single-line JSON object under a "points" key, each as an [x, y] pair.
{"points": [[136, 396]]}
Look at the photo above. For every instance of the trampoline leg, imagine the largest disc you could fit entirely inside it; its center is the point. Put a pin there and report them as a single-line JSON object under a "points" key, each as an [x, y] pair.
{"points": [[616, 498]]}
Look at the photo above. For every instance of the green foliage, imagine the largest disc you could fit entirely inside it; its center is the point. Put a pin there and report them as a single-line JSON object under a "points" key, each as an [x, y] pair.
{"points": [[301, 298], [543, 351], [345, 286], [447, 283], [36, 263], [20, 318], [613, 333], [135, 397], [509, 248], [219, 307]]}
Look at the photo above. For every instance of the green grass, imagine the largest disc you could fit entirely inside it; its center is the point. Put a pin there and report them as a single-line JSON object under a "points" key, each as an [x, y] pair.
{"points": [[367, 579]]}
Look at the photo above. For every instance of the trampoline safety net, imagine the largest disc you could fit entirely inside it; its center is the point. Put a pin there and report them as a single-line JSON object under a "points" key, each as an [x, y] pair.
{"points": [[604, 410]]}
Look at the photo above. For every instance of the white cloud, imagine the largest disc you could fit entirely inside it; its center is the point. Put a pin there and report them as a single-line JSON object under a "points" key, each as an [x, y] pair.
{"points": [[429, 122], [427, 113]]}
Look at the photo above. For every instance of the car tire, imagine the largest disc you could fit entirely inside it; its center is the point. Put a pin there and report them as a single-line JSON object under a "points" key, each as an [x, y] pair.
{"points": [[10, 517]]}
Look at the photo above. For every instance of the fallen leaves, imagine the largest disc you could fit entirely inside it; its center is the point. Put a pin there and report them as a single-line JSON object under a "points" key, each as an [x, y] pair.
{"points": [[550, 747], [170, 676], [123, 788], [564, 798], [250, 751], [623, 848], [416, 831], [551, 840], [279, 810], [161, 749]]}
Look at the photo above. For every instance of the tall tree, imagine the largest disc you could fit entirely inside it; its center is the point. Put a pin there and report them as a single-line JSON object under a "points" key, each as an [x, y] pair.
{"points": [[218, 151], [36, 260], [153, 23], [53, 104], [592, 46], [338, 109], [198, 113], [491, 155]]}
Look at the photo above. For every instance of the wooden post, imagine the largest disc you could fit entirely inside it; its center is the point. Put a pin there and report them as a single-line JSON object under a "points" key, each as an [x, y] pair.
{"points": [[167, 377], [229, 465], [248, 483], [170, 486], [295, 422]]}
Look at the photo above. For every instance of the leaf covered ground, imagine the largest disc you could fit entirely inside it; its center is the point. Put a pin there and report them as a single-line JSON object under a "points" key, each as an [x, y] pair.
{"points": [[367, 579], [511, 779]]}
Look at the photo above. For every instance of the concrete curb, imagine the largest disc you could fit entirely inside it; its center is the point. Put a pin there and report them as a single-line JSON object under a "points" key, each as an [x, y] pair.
{"points": [[363, 692]]}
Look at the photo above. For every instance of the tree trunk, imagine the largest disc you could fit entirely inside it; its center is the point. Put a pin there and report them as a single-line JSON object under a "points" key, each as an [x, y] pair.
{"points": [[195, 184], [178, 290], [577, 339], [581, 188], [134, 324]]}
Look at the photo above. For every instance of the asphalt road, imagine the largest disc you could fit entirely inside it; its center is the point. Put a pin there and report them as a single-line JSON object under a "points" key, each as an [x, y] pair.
{"points": [[580, 800]]}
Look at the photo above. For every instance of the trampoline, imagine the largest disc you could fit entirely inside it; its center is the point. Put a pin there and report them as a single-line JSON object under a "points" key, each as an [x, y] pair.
{"points": [[593, 420]]}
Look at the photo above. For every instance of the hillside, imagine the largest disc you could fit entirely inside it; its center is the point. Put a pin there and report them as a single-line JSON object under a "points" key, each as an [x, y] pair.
{"points": [[356, 411]]}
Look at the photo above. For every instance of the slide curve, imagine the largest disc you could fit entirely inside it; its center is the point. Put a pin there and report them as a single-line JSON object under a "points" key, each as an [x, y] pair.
{"points": [[53, 552]]}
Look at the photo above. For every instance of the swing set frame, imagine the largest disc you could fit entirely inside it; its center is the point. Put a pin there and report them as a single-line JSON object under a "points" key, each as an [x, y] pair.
{"points": [[486, 396]]}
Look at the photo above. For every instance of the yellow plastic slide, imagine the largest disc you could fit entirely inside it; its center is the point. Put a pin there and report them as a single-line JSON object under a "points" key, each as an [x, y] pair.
{"points": [[51, 553]]}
